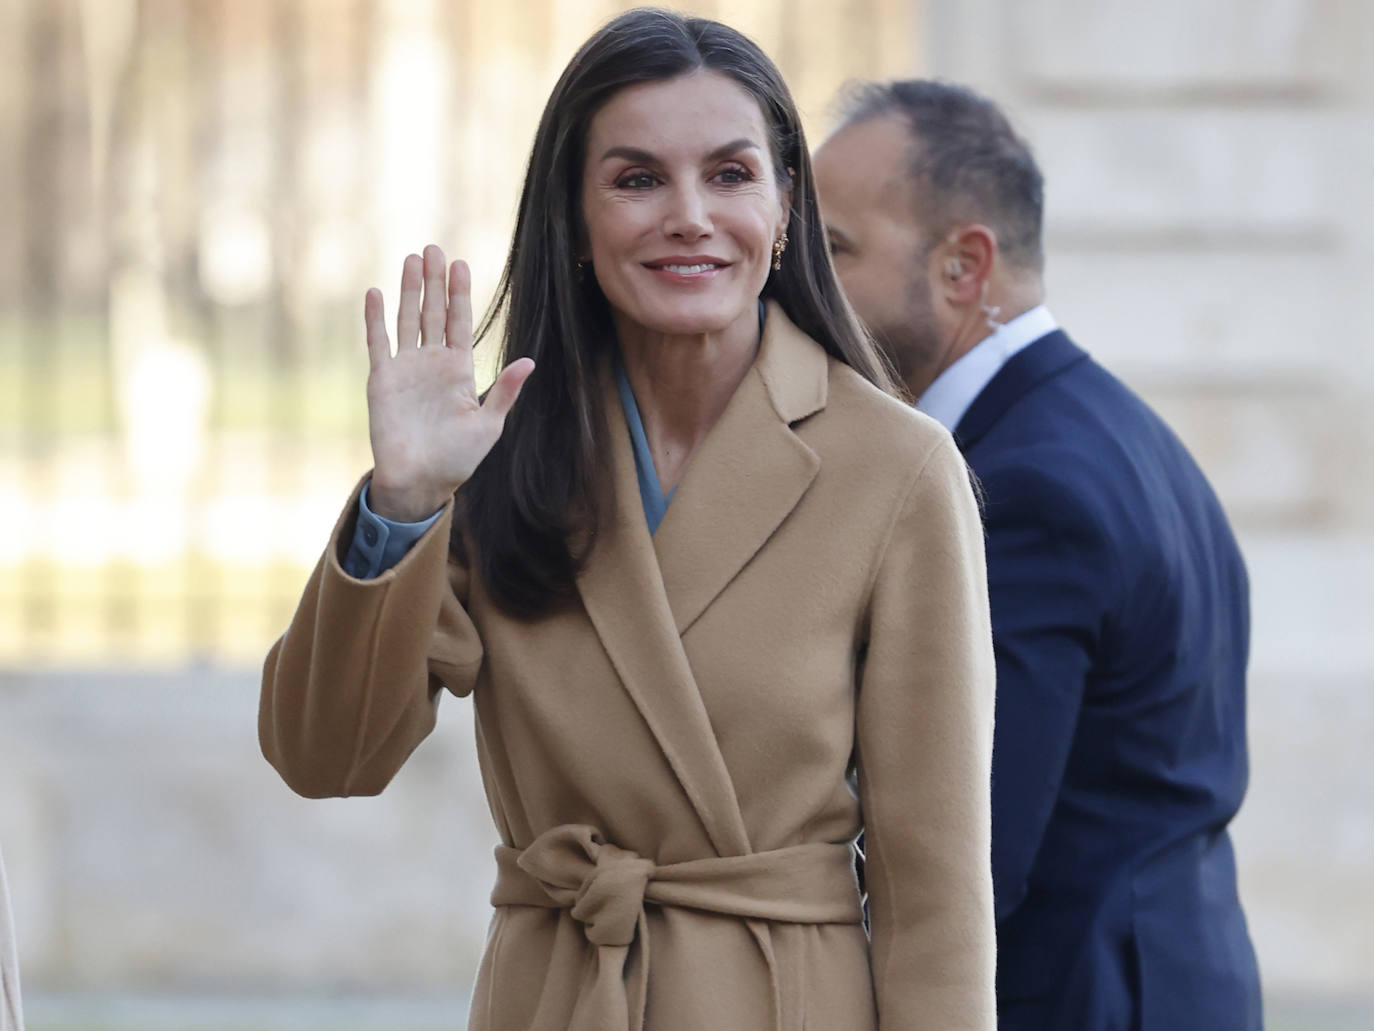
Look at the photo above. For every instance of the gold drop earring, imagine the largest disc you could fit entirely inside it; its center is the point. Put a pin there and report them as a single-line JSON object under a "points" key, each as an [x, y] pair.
{"points": [[779, 245]]}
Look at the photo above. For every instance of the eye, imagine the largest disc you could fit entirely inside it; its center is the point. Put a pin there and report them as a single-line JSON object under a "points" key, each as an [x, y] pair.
{"points": [[734, 175], [636, 181]]}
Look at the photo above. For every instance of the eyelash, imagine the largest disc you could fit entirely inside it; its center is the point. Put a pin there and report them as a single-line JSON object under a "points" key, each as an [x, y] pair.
{"points": [[743, 176]]}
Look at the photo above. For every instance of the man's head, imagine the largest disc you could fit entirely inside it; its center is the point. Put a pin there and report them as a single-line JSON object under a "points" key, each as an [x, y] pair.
{"points": [[933, 207]]}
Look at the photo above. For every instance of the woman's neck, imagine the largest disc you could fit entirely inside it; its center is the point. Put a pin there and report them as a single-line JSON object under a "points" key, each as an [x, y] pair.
{"points": [[682, 385]]}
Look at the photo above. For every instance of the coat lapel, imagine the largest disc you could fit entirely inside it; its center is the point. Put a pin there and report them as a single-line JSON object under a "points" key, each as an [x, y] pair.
{"points": [[748, 474], [623, 594], [642, 593]]}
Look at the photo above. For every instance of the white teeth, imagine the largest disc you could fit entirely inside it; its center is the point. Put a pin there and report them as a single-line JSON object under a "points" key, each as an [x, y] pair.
{"points": [[687, 270]]}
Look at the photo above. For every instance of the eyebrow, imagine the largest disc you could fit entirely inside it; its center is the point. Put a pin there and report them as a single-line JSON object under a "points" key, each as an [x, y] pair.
{"points": [[639, 156], [837, 235]]}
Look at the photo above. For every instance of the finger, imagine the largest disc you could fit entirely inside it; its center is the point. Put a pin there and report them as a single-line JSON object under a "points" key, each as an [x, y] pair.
{"points": [[374, 318], [433, 311], [459, 329], [503, 393], [408, 312]]}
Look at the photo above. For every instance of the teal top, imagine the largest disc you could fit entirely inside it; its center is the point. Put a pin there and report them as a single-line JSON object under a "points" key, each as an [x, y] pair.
{"points": [[651, 494]]}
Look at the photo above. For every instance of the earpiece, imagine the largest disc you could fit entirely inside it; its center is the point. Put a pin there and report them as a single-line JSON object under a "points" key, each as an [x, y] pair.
{"points": [[954, 268]]}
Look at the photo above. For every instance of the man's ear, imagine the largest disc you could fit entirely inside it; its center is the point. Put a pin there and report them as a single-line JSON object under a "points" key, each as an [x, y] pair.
{"points": [[966, 258]]}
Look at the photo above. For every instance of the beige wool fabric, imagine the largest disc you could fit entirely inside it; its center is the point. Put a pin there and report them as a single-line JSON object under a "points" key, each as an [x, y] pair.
{"points": [[668, 759]]}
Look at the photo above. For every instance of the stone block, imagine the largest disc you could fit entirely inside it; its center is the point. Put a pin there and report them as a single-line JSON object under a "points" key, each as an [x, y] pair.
{"points": [[1276, 47], [1145, 177], [1305, 835], [970, 41], [30, 813], [178, 860], [1354, 455], [1311, 607], [1208, 316], [1268, 452]]}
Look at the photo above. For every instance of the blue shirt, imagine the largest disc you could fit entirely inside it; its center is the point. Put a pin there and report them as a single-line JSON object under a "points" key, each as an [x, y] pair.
{"points": [[651, 494], [379, 543], [954, 390]]}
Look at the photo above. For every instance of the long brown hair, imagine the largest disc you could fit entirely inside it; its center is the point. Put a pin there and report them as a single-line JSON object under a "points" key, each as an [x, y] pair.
{"points": [[534, 503]]}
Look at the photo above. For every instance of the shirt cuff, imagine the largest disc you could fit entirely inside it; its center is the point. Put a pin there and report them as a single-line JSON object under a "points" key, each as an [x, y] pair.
{"points": [[378, 542]]}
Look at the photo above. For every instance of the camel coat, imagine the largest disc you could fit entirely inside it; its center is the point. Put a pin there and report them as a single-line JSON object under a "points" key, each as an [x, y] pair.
{"points": [[678, 763]]}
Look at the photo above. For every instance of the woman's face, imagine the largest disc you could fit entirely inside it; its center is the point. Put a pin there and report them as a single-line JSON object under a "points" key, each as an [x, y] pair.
{"points": [[681, 204]]}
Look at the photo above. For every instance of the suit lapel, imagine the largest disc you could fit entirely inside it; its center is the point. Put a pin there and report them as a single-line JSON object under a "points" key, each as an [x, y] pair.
{"points": [[747, 476], [1031, 365]]}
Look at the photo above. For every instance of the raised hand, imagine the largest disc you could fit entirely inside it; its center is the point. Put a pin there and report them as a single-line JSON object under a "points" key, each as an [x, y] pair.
{"points": [[427, 427]]}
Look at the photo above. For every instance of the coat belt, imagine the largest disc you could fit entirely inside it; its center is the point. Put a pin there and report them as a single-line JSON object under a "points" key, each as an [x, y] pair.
{"points": [[606, 888]]}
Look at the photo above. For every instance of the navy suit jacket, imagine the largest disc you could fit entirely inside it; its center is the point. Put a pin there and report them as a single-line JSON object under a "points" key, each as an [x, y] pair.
{"points": [[1121, 625]]}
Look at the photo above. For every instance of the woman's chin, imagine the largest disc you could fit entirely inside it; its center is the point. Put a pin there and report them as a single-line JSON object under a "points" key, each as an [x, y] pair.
{"points": [[693, 319]]}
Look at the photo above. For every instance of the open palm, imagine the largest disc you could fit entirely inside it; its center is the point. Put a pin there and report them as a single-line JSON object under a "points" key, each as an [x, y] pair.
{"points": [[428, 428]]}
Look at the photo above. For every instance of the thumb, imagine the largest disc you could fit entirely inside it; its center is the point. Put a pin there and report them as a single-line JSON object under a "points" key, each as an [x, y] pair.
{"points": [[503, 393]]}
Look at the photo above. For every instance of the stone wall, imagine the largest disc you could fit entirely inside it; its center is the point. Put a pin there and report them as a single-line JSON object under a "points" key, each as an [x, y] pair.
{"points": [[151, 848]]}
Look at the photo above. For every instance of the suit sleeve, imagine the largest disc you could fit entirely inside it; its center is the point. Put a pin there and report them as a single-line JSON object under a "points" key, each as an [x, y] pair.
{"points": [[924, 742], [351, 688], [1050, 571]]}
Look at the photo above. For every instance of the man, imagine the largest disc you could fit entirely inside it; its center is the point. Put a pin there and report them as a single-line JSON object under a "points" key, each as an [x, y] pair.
{"points": [[1119, 599]]}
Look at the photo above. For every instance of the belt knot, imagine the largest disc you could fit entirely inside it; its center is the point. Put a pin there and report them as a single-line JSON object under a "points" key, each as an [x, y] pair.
{"points": [[611, 898], [605, 888], [602, 884]]}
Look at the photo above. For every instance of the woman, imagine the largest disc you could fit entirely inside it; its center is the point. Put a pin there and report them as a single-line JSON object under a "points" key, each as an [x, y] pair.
{"points": [[668, 714]]}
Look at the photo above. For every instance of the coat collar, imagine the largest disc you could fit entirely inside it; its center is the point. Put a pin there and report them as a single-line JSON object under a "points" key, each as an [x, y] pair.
{"points": [[643, 593], [795, 370], [747, 475], [1033, 364]]}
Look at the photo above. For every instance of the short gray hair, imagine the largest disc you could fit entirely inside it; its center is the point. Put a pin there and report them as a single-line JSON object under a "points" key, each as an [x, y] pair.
{"points": [[966, 156]]}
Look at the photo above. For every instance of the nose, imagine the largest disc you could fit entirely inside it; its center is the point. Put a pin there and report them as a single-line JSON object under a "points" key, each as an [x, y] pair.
{"points": [[688, 216]]}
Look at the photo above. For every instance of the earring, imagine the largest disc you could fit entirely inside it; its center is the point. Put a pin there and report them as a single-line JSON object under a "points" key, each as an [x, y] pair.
{"points": [[991, 311], [581, 267], [779, 245]]}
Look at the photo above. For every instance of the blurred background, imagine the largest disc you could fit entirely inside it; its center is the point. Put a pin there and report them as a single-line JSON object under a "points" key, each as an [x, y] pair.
{"points": [[194, 195]]}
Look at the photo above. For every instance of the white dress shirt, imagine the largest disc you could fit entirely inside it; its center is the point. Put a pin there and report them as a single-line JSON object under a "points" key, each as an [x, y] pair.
{"points": [[948, 398]]}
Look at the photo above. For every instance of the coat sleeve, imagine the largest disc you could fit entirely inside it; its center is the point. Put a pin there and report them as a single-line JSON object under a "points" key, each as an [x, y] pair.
{"points": [[1051, 572], [351, 688], [924, 743]]}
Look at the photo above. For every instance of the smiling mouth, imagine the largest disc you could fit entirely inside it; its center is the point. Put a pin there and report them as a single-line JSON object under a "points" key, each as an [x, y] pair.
{"points": [[687, 270]]}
